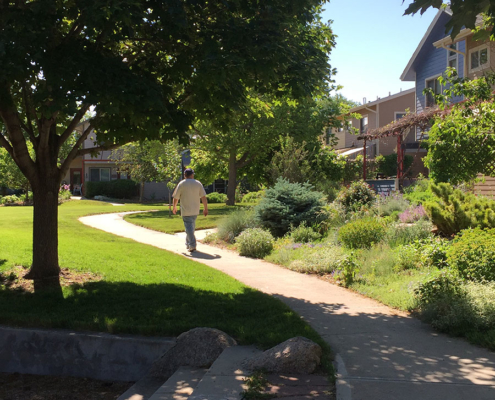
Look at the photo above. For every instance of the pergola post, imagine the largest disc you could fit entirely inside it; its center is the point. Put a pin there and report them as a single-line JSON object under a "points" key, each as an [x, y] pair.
{"points": [[400, 158], [364, 160]]}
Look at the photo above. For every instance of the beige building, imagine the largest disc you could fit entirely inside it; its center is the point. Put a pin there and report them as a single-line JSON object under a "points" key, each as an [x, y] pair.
{"points": [[375, 114]]}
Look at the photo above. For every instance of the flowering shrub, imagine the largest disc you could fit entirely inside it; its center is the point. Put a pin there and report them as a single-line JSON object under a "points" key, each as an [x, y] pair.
{"points": [[389, 205], [255, 242], [412, 214]]}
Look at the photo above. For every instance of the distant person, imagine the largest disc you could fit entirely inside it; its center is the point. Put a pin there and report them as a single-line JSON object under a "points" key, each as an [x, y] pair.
{"points": [[190, 191]]}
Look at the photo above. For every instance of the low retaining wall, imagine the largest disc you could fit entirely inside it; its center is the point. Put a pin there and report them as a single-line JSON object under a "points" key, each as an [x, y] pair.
{"points": [[89, 355]]}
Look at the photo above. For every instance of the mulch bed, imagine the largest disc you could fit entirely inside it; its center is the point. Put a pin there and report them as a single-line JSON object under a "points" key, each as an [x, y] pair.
{"points": [[14, 278], [35, 387]]}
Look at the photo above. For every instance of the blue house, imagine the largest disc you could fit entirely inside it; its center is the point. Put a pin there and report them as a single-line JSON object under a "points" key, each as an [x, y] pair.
{"points": [[432, 58]]}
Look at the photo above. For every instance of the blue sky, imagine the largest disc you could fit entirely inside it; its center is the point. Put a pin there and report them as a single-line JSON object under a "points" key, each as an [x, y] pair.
{"points": [[374, 44]]}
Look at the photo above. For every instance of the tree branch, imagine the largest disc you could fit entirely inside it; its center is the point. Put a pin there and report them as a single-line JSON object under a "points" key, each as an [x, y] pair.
{"points": [[72, 126], [73, 153], [5, 144], [29, 128]]}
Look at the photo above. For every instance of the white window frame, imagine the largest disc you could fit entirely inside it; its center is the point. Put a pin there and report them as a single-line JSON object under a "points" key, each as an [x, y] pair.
{"points": [[435, 78], [399, 112], [454, 57], [477, 49]]}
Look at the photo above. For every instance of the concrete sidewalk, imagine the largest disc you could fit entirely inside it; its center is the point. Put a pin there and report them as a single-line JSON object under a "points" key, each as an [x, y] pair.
{"points": [[382, 354]]}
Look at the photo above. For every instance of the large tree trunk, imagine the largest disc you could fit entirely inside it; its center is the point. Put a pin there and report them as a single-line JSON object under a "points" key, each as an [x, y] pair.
{"points": [[232, 179], [45, 269]]}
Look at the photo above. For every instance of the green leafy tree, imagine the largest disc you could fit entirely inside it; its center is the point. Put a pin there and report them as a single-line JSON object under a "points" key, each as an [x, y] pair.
{"points": [[464, 14], [461, 142], [146, 69], [247, 148], [150, 161], [10, 174]]}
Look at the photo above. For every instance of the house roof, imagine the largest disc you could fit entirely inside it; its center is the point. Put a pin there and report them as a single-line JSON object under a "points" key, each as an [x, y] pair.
{"points": [[388, 98], [409, 73], [447, 40]]}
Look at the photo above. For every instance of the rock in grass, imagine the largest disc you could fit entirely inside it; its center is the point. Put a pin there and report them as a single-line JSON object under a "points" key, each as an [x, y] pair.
{"points": [[294, 356], [198, 347]]}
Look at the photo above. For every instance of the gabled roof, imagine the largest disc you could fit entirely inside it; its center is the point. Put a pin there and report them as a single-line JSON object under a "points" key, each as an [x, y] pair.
{"points": [[408, 74], [382, 100]]}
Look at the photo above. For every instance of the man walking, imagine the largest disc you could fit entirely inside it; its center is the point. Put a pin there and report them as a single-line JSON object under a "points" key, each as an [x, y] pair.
{"points": [[190, 191]]}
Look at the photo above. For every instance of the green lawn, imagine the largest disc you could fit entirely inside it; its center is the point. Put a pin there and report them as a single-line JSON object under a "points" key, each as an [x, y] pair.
{"points": [[145, 290], [161, 221]]}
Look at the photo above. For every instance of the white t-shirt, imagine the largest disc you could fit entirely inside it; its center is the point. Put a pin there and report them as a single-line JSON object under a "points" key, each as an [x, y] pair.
{"points": [[189, 192]]}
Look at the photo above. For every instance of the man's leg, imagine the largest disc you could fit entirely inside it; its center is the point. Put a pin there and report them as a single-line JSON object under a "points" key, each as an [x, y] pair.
{"points": [[190, 226]]}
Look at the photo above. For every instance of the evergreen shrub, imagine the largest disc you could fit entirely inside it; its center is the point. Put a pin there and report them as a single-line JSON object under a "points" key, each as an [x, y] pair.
{"points": [[453, 210], [255, 242], [287, 205], [472, 254], [362, 233]]}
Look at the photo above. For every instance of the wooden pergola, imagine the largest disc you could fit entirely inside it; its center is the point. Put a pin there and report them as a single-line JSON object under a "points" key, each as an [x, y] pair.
{"points": [[422, 121]]}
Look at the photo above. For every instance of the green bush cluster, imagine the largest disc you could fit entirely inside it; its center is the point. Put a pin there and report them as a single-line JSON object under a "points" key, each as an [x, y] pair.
{"points": [[419, 193], [216, 198], [457, 307], [393, 204], [400, 234], [454, 210], [362, 233], [255, 242], [357, 196], [232, 226], [116, 189], [472, 254], [304, 234], [64, 195], [289, 204], [387, 165], [425, 253], [253, 197], [12, 199]]}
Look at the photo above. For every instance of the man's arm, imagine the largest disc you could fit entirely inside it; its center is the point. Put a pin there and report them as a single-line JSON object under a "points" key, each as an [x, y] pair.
{"points": [[205, 205], [174, 210]]}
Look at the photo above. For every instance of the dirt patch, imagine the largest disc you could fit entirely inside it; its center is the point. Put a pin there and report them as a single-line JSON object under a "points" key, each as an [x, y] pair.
{"points": [[14, 278], [35, 387]]}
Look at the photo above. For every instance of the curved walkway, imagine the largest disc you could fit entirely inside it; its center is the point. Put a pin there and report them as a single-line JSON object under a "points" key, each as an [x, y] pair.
{"points": [[382, 354]]}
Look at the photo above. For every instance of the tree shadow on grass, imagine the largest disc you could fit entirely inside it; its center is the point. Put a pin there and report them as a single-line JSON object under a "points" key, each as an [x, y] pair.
{"points": [[249, 316], [2, 262]]}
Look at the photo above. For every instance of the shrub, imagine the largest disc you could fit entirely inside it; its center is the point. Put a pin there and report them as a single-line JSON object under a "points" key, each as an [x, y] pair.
{"points": [[232, 225], [64, 194], [318, 260], [392, 204], [387, 165], [356, 196], [425, 253], [116, 189], [362, 233], [407, 257], [412, 214], [419, 193], [472, 254], [399, 234], [253, 197], [255, 242], [454, 210], [304, 234], [12, 199], [216, 197], [457, 307], [289, 204]]}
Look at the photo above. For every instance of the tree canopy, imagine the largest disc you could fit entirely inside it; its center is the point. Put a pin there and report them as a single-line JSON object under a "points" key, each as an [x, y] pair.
{"points": [[461, 142], [146, 69]]}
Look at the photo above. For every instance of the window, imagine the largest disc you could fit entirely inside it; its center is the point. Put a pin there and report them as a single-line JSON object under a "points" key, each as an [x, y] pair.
{"points": [[399, 115], [99, 174], [452, 56], [479, 58], [436, 88], [363, 125]]}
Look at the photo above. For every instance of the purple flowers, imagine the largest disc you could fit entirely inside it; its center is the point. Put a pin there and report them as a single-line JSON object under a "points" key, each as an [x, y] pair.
{"points": [[412, 214]]}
